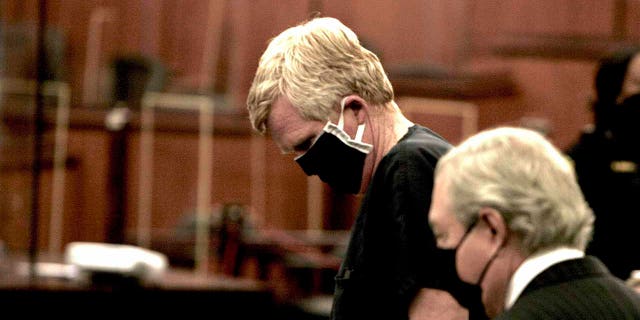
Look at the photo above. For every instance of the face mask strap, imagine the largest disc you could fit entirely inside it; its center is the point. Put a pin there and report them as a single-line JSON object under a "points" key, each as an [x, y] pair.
{"points": [[486, 266], [359, 131], [493, 257], [341, 120]]}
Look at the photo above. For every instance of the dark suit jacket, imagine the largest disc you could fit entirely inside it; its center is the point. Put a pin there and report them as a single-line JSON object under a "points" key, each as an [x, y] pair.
{"points": [[576, 289]]}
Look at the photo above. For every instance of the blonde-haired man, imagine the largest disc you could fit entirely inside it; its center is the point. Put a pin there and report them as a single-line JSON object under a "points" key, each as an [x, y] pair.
{"points": [[325, 98], [507, 202]]}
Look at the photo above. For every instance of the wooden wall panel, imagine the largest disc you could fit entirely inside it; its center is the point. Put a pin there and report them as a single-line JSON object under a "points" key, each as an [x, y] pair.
{"points": [[564, 24], [406, 32], [16, 205], [174, 189], [173, 178], [191, 33], [403, 32], [16, 202], [16, 11], [557, 17], [453, 120], [173, 193], [557, 91], [90, 147], [632, 18], [253, 23], [457, 34], [72, 18]]}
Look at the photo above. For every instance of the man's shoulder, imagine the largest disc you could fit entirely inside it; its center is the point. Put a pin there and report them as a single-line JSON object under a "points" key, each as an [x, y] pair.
{"points": [[420, 140], [598, 291]]}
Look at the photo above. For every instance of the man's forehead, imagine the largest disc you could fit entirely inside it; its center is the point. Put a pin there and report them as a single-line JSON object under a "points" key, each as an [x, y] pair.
{"points": [[441, 206], [287, 126], [281, 113]]}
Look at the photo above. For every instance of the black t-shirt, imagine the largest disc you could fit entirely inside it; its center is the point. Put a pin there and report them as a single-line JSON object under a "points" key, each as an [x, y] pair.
{"points": [[392, 252]]}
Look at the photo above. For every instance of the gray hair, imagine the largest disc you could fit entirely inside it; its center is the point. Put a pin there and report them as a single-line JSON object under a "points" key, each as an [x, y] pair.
{"points": [[314, 65], [522, 175]]}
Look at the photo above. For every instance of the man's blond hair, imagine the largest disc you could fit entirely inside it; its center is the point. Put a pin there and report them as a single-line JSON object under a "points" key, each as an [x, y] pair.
{"points": [[314, 65]]}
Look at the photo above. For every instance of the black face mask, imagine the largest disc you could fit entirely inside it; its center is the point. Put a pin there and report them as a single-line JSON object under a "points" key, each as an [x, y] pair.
{"points": [[336, 158], [468, 295]]}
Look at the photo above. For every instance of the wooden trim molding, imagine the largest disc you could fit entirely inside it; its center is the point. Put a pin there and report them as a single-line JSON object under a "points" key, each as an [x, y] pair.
{"points": [[225, 122], [439, 82], [560, 47]]}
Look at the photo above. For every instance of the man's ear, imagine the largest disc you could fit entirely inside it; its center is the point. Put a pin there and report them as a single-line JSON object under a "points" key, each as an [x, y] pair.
{"points": [[495, 224], [357, 105]]}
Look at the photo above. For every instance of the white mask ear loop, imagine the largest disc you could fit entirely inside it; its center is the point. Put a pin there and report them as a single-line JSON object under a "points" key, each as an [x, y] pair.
{"points": [[341, 120], [359, 131]]}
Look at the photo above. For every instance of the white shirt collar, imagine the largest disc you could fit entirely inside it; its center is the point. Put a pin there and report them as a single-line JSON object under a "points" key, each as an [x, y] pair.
{"points": [[534, 265]]}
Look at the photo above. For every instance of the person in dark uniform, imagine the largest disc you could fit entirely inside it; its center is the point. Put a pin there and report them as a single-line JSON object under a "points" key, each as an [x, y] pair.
{"points": [[607, 158], [508, 203], [325, 98]]}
